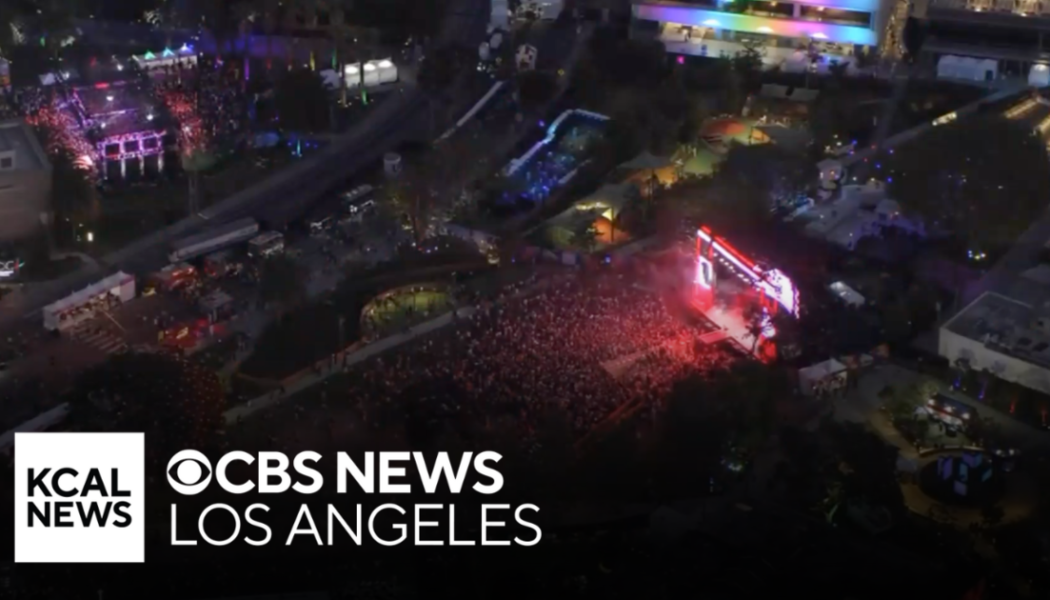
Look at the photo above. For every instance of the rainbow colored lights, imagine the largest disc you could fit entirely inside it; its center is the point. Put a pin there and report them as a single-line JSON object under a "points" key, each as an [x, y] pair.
{"points": [[846, 34]]}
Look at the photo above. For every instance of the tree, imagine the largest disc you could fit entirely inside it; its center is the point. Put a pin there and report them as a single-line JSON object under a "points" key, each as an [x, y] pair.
{"points": [[438, 70], [283, 281], [412, 196], [753, 180], [302, 102], [692, 435], [177, 403], [957, 179], [74, 198], [585, 235], [216, 17], [535, 89]]}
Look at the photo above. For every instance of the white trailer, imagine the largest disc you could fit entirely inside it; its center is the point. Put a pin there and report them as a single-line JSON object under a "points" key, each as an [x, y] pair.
{"points": [[216, 239]]}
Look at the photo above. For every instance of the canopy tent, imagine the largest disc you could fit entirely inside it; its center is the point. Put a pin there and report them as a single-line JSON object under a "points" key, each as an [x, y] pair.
{"points": [[150, 61], [1039, 76], [847, 294], [375, 72], [56, 315], [607, 201], [830, 374]]}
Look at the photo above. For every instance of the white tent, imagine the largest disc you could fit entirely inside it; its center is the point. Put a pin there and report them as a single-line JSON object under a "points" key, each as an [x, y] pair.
{"points": [[63, 315], [150, 61], [828, 374], [948, 67], [499, 14], [971, 69], [1039, 76], [847, 294], [376, 72]]}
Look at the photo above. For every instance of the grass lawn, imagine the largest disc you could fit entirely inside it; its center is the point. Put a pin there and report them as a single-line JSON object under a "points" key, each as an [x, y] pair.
{"points": [[402, 308]]}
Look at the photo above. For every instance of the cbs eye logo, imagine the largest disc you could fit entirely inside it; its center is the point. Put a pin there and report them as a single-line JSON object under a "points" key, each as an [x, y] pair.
{"points": [[189, 472]]}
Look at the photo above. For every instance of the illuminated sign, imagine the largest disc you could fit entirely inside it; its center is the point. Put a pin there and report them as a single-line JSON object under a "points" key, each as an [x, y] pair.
{"points": [[773, 283], [10, 268]]}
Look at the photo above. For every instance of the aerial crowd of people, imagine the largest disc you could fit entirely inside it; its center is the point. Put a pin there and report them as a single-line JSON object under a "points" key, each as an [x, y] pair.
{"points": [[581, 347]]}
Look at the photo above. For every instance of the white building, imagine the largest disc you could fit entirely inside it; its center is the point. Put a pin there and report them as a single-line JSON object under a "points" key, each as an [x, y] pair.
{"points": [[1009, 338], [829, 31]]}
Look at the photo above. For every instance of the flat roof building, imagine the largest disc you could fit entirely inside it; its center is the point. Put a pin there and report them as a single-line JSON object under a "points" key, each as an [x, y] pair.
{"points": [[1015, 34], [25, 182], [786, 31]]}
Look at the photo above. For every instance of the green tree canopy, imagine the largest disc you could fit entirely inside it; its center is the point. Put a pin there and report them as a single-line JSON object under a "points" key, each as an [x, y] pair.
{"points": [[177, 403], [752, 180], [985, 178], [302, 102], [535, 89]]}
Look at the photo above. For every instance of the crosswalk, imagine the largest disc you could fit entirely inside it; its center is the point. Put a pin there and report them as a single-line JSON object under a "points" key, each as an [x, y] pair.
{"points": [[102, 340]]}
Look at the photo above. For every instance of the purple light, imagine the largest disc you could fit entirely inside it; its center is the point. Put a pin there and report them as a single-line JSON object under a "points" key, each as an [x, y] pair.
{"points": [[681, 59]]}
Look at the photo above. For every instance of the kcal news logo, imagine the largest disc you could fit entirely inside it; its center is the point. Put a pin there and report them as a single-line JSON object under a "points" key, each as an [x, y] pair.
{"points": [[79, 497]]}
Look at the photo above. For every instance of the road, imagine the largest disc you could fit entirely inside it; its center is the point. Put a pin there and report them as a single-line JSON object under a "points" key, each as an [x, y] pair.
{"points": [[278, 199]]}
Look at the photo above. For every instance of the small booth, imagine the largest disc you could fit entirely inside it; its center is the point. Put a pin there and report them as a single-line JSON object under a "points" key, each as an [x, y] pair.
{"points": [[823, 378], [82, 306]]}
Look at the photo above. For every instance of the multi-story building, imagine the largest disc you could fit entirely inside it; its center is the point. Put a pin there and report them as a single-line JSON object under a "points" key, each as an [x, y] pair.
{"points": [[836, 30], [1014, 33], [25, 183]]}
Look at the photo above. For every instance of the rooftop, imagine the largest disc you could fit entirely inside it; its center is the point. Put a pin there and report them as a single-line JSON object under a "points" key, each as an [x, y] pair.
{"points": [[18, 137], [1009, 327]]}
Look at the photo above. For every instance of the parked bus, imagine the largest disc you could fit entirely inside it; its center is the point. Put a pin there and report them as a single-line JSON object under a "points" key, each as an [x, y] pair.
{"points": [[266, 244], [216, 239], [359, 199]]}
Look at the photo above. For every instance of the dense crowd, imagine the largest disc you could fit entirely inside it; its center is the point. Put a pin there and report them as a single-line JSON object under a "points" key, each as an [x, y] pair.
{"points": [[206, 100], [582, 348]]}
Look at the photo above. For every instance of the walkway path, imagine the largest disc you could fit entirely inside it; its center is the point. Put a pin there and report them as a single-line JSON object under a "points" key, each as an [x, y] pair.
{"points": [[339, 364], [336, 366]]}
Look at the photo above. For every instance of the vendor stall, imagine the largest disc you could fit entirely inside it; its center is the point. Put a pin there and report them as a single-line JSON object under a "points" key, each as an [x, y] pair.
{"points": [[84, 305]]}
